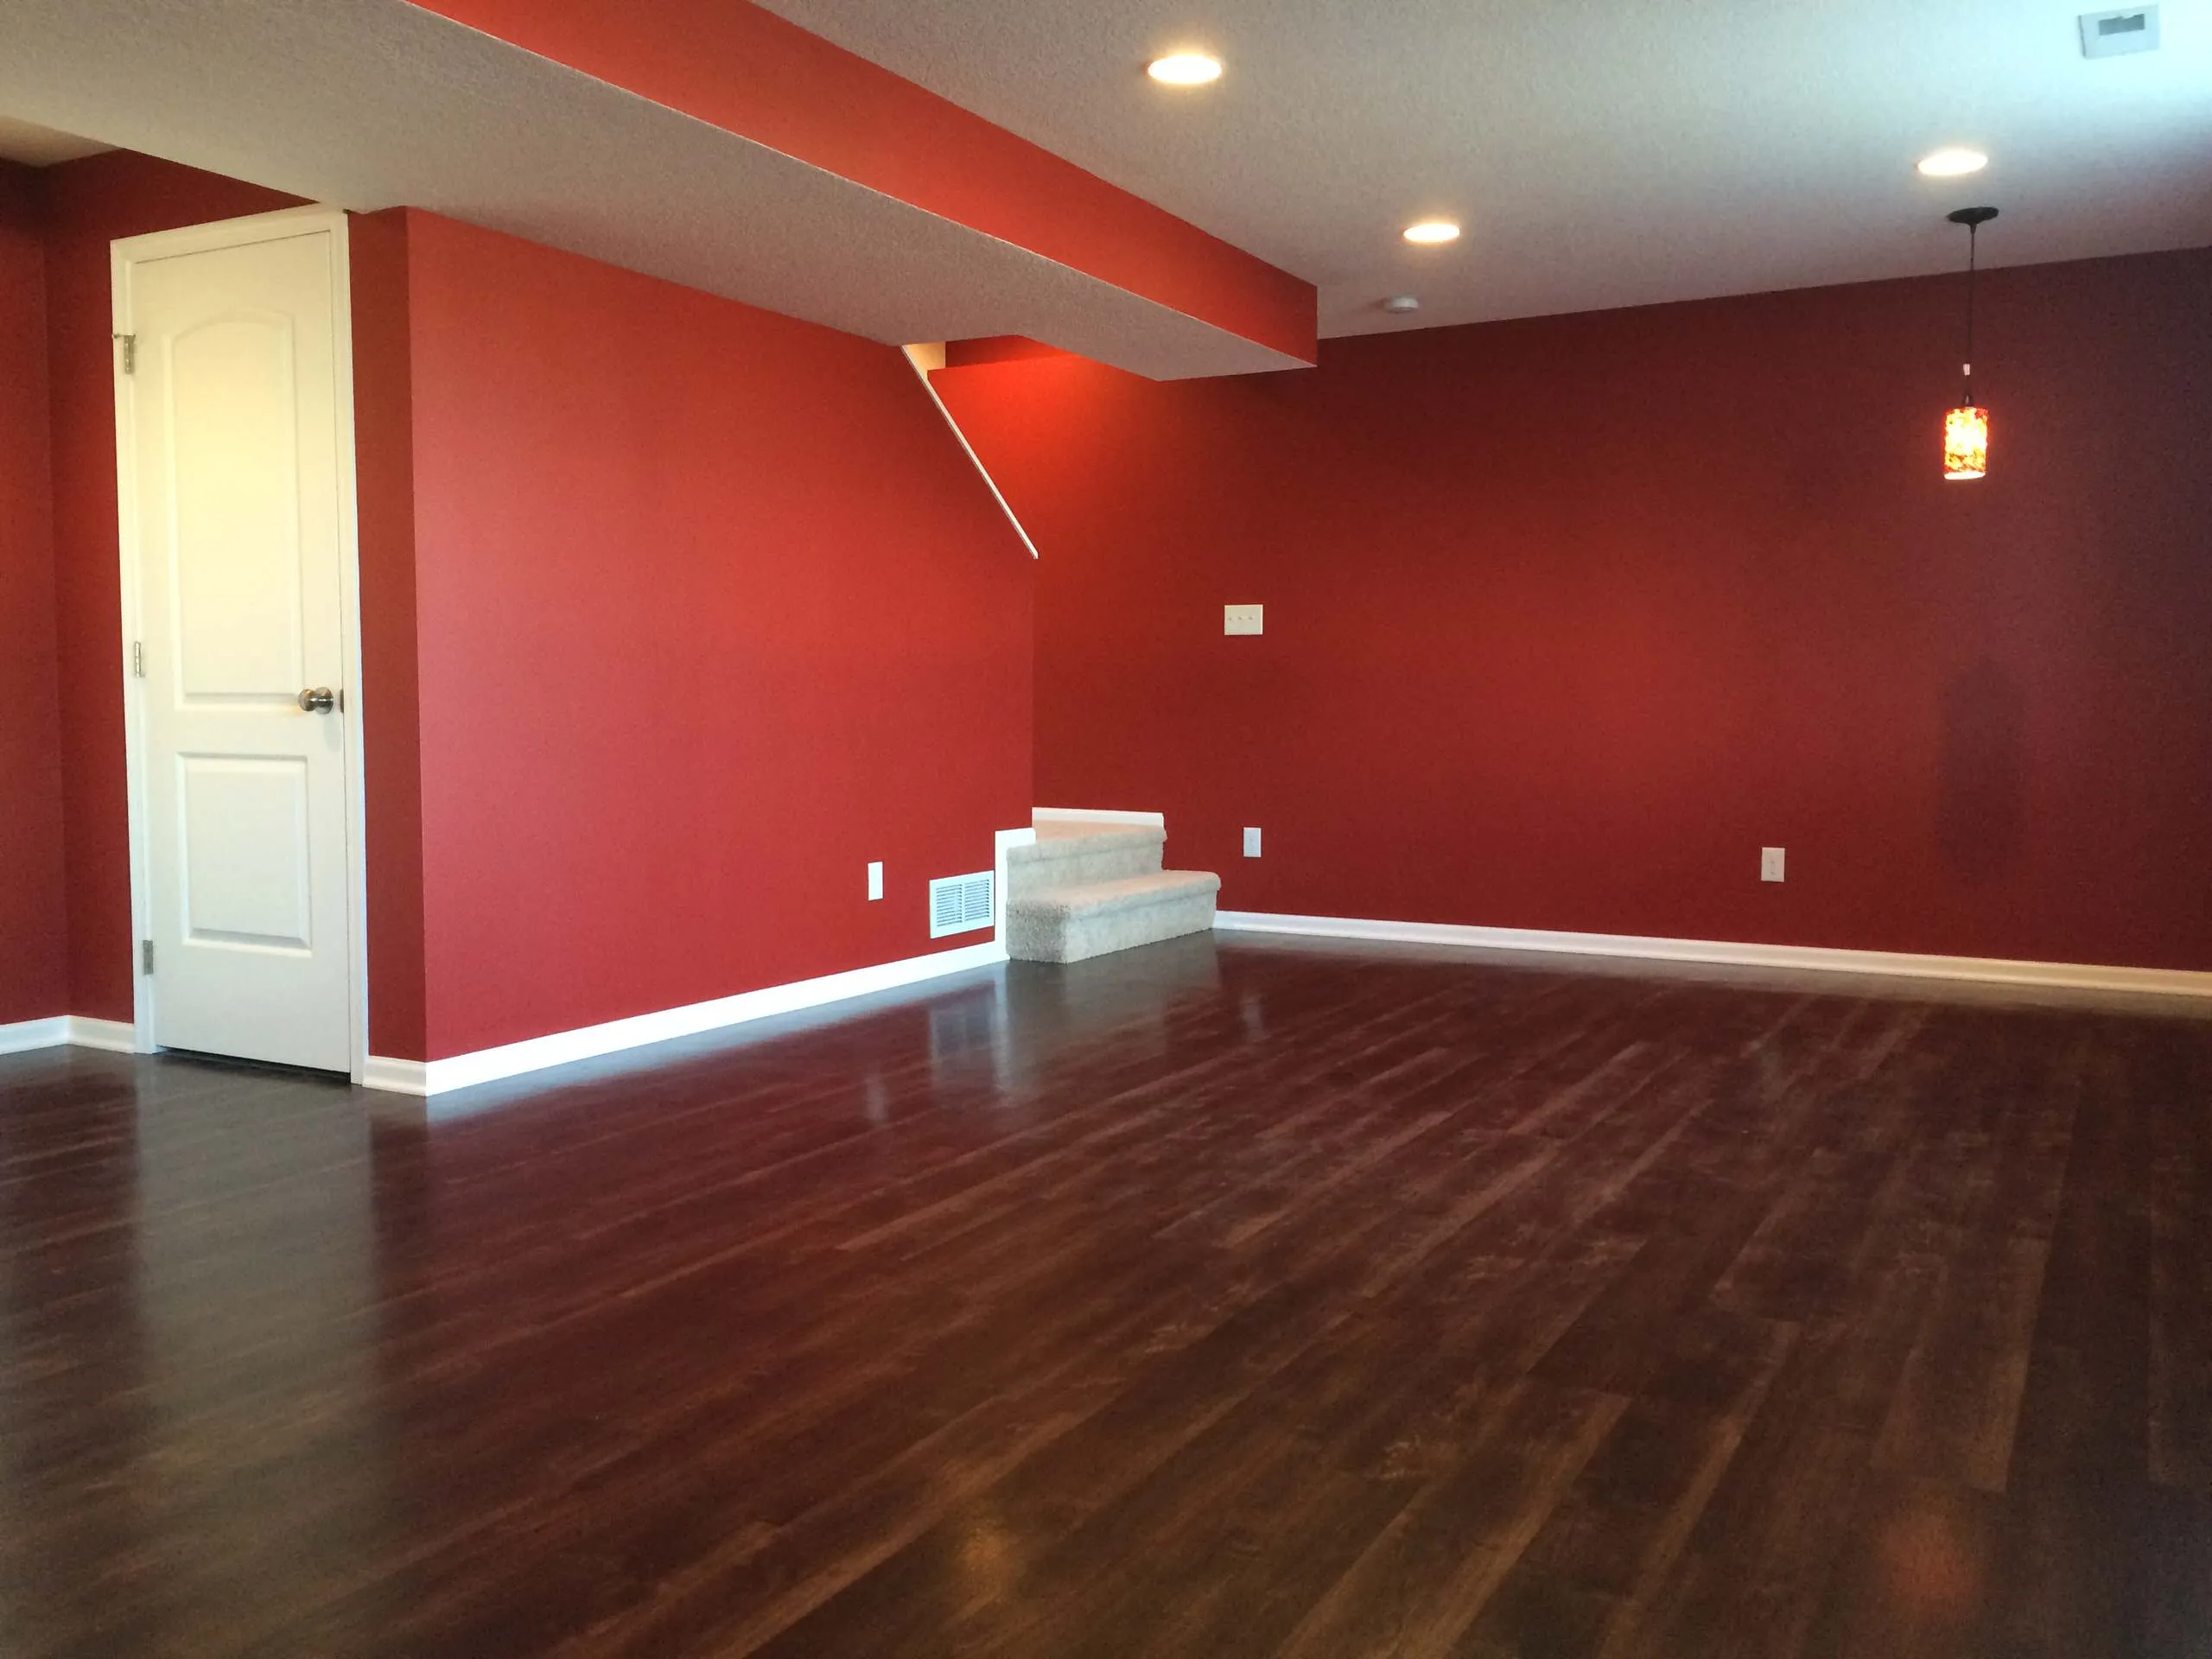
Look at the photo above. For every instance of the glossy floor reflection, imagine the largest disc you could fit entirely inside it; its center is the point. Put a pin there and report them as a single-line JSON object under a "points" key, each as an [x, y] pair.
{"points": [[1212, 1298]]}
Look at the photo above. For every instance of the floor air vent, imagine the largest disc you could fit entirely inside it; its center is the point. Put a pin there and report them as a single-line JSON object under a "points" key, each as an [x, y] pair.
{"points": [[959, 904]]}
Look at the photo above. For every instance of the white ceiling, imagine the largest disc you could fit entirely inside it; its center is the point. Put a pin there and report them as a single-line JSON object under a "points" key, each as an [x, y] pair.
{"points": [[36, 146], [372, 103], [1599, 152]]}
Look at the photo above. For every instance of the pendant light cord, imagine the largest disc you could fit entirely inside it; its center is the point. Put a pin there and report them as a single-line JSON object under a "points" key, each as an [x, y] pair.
{"points": [[1974, 232]]}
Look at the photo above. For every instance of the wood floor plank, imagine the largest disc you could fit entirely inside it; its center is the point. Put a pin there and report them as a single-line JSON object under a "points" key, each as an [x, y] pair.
{"points": [[1221, 1298], [2177, 1086]]}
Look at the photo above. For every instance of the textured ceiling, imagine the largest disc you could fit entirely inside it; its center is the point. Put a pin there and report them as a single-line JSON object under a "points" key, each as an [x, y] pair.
{"points": [[371, 103], [36, 146], [1599, 152]]}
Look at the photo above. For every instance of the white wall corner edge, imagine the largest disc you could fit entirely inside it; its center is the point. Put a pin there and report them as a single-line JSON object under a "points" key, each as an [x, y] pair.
{"points": [[1998, 970]]}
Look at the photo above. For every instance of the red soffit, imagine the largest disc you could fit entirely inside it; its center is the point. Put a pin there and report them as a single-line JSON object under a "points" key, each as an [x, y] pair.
{"points": [[753, 73]]}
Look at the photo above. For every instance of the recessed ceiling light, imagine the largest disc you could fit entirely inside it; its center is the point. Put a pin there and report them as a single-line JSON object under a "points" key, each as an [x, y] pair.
{"points": [[1431, 231], [1184, 69], [1952, 162]]}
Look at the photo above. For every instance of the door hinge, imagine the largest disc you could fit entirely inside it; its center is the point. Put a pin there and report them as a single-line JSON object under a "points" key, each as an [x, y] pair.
{"points": [[129, 344], [138, 657], [145, 955]]}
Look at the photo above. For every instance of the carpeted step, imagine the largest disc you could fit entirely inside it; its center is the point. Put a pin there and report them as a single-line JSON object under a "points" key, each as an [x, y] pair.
{"points": [[1073, 921], [1067, 853]]}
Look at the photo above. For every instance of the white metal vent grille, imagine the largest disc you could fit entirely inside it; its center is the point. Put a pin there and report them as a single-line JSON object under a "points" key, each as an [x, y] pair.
{"points": [[959, 904]]}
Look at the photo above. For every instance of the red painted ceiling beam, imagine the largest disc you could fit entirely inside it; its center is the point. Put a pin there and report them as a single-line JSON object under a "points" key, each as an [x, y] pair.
{"points": [[755, 74]]}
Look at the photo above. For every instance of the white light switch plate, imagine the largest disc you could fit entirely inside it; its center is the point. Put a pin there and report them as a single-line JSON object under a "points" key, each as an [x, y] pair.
{"points": [[1240, 618], [1251, 843], [876, 880], [1770, 863]]}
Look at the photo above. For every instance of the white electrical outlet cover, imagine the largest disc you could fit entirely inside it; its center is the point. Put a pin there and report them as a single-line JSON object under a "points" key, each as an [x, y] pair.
{"points": [[1251, 843], [875, 881], [1770, 863], [1241, 618]]}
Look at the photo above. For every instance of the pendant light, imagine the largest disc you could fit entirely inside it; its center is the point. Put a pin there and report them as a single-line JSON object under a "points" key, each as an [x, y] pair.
{"points": [[1966, 429]]}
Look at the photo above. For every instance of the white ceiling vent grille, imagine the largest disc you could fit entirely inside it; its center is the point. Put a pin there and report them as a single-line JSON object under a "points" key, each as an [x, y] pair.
{"points": [[2108, 34], [960, 904]]}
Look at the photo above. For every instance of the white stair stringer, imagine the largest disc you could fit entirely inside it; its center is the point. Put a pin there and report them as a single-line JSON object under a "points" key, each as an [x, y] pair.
{"points": [[1085, 889]]}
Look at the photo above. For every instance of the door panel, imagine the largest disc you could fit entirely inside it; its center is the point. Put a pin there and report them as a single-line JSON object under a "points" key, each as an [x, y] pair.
{"points": [[234, 433], [248, 863], [237, 544]]}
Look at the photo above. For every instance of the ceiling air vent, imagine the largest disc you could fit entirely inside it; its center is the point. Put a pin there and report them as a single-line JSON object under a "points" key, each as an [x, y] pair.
{"points": [[2108, 34], [960, 904]]}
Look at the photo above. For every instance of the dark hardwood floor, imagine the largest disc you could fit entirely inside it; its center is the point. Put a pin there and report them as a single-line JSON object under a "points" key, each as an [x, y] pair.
{"points": [[1212, 1300]]}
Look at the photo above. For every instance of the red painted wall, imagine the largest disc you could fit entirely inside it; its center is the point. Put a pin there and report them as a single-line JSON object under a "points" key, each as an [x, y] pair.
{"points": [[675, 613], [1566, 618], [33, 936], [752, 72], [384, 448], [996, 348], [710, 611], [88, 204]]}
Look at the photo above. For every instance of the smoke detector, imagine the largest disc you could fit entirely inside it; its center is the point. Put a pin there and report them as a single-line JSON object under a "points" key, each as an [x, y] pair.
{"points": [[2108, 34], [1398, 304]]}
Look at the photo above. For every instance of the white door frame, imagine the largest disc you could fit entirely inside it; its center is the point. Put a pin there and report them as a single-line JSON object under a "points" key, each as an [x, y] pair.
{"points": [[199, 239]]}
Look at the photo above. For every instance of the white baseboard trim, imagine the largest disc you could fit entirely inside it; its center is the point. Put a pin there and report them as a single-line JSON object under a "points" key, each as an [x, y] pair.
{"points": [[2161, 981], [23, 1035], [589, 1042], [396, 1077], [1101, 815], [117, 1036], [77, 1029]]}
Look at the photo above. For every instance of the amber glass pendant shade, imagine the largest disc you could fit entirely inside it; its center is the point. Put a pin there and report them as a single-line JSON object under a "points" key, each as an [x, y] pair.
{"points": [[1966, 429], [1966, 443]]}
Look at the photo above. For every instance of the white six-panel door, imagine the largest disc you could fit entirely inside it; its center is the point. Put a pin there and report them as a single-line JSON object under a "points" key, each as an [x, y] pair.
{"points": [[236, 505]]}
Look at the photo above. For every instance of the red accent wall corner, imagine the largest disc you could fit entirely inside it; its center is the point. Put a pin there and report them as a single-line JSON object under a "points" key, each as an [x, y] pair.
{"points": [[34, 925], [1567, 618]]}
